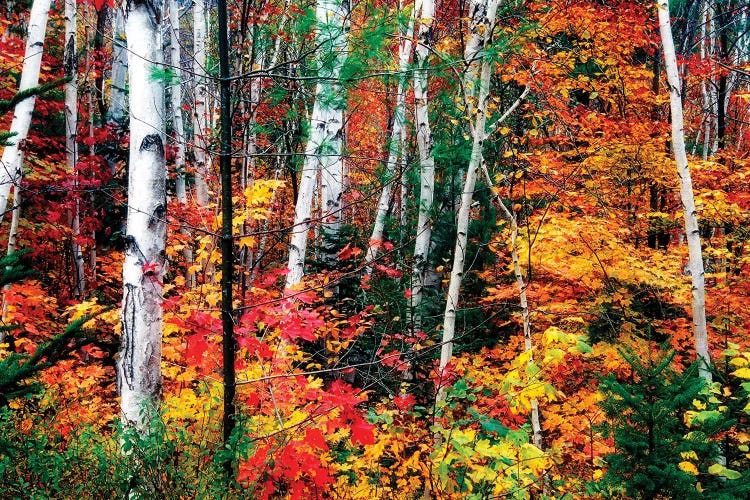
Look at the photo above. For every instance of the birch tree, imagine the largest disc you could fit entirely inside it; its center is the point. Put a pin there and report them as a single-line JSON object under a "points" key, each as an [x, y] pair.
{"points": [[71, 135], [200, 110], [118, 90], [10, 164], [692, 232], [139, 365], [176, 99], [323, 149], [482, 22], [426, 162], [394, 145]]}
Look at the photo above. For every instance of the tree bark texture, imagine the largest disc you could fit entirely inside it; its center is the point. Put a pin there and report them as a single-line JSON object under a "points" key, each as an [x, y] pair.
{"points": [[323, 149], [10, 164], [139, 365], [692, 232]]}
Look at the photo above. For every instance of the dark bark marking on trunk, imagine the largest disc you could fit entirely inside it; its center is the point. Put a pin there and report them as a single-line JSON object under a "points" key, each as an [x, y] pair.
{"points": [[152, 142]]}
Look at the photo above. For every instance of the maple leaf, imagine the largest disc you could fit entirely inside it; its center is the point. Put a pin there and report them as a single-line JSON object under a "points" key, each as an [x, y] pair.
{"points": [[196, 347], [362, 432], [404, 402], [315, 438]]}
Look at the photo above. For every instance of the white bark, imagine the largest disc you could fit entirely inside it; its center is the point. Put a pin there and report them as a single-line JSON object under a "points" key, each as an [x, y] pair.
{"points": [[426, 163], [12, 244], [201, 122], [178, 125], [478, 12], [692, 233], [118, 91], [10, 164], [512, 218], [71, 136], [459, 256], [176, 99], [394, 146], [323, 149], [139, 365]]}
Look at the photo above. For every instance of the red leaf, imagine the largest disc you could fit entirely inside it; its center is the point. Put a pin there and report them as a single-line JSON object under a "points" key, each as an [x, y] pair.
{"points": [[362, 433], [404, 402], [315, 438], [196, 346]]}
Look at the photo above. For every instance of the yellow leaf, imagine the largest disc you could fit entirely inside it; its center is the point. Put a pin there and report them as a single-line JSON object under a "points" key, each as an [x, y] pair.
{"points": [[688, 467], [742, 373]]}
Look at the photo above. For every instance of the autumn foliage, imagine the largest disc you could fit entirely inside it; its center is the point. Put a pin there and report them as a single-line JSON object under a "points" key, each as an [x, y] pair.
{"points": [[338, 396]]}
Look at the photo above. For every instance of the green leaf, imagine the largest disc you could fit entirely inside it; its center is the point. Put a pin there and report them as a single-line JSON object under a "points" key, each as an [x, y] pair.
{"points": [[720, 470]]}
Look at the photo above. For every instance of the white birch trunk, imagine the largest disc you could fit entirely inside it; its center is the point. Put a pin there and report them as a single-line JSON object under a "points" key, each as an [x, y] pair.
{"points": [[707, 103], [178, 125], [512, 218], [394, 146], [692, 233], [139, 365], [426, 163], [12, 244], [176, 99], [118, 91], [201, 123], [10, 164], [467, 195], [478, 11], [71, 136], [323, 149]]}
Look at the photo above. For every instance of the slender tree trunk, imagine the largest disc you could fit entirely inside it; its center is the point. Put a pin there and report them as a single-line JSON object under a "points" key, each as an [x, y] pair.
{"points": [[176, 99], [200, 115], [12, 246], [10, 164], [139, 366], [227, 242], [426, 163], [71, 137], [394, 146], [178, 126], [692, 232], [323, 150], [118, 91], [487, 21]]}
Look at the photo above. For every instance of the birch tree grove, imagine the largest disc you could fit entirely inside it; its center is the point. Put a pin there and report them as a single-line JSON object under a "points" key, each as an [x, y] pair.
{"points": [[375, 249], [139, 365], [323, 150], [10, 164], [690, 214]]}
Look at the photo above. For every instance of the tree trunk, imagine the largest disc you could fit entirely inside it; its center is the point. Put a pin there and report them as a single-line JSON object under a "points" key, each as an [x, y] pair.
{"points": [[178, 127], [394, 146], [176, 99], [71, 137], [139, 366], [118, 92], [426, 163], [10, 164], [692, 233], [487, 20], [200, 117], [323, 150]]}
